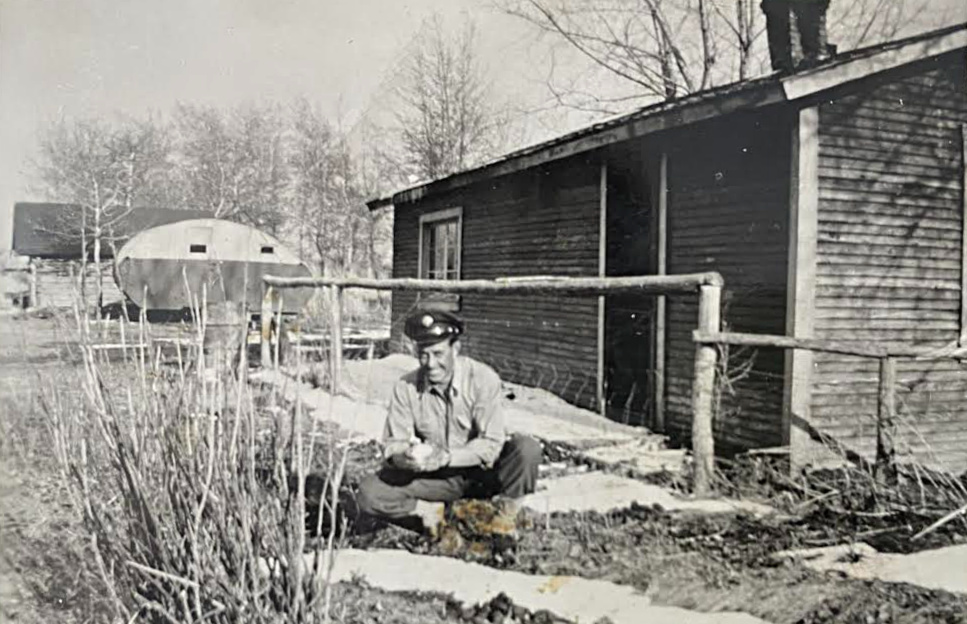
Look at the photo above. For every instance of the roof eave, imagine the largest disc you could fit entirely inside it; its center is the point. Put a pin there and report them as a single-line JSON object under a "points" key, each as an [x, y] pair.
{"points": [[584, 141], [823, 78], [380, 202], [635, 125]]}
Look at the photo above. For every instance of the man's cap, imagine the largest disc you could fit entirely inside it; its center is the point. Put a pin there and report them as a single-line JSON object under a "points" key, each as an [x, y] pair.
{"points": [[427, 326]]}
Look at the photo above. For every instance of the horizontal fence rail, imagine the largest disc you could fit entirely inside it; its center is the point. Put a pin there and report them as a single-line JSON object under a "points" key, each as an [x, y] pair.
{"points": [[829, 346], [707, 285], [648, 284], [885, 463]]}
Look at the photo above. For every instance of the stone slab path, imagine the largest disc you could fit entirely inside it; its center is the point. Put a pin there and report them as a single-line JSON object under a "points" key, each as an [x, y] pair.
{"points": [[638, 458], [582, 600], [365, 419], [591, 491], [600, 491], [941, 568]]}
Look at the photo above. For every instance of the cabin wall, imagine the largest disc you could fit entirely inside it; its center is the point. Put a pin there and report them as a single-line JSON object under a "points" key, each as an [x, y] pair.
{"points": [[536, 222], [728, 211], [58, 283], [889, 260]]}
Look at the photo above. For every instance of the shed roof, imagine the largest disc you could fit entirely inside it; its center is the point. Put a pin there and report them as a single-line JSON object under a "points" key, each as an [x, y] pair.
{"points": [[52, 230], [748, 94]]}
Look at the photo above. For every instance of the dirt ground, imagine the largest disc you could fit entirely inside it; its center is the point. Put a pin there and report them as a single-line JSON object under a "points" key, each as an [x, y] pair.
{"points": [[704, 563], [700, 562]]}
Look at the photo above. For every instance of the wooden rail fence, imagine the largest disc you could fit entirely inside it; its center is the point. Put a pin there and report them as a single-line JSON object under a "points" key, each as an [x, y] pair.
{"points": [[885, 463], [708, 286]]}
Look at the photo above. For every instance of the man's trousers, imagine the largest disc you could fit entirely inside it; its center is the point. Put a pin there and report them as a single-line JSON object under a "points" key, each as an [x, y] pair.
{"points": [[392, 493]]}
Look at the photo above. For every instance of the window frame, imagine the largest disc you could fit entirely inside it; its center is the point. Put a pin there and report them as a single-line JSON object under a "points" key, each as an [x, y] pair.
{"points": [[443, 301]]}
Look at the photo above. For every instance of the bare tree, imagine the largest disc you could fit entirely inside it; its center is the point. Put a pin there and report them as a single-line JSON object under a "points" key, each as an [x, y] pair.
{"points": [[646, 50], [106, 170], [446, 118], [378, 174], [327, 205], [233, 163]]}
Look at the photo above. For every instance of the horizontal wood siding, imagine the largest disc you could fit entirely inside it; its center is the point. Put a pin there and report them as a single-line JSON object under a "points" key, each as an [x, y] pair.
{"points": [[889, 257], [58, 283], [728, 201], [538, 222]]}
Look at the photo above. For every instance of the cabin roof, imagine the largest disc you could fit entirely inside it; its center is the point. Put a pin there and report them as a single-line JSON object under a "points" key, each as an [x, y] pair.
{"points": [[718, 101], [52, 230]]}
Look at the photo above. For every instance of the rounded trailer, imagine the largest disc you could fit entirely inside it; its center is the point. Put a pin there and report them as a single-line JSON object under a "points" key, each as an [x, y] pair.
{"points": [[171, 267]]}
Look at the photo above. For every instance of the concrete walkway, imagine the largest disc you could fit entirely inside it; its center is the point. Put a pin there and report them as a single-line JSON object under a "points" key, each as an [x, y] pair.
{"points": [[591, 491], [364, 418], [360, 419], [602, 492], [638, 458], [581, 600], [941, 568]]}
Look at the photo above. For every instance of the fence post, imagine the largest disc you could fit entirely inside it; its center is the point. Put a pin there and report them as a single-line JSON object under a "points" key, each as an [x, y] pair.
{"points": [[33, 284], [335, 350], [886, 472], [266, 319], [703, 389]]}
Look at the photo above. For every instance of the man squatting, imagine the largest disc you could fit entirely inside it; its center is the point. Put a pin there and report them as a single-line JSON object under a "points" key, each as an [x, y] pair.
{"points": [[445, 437]]}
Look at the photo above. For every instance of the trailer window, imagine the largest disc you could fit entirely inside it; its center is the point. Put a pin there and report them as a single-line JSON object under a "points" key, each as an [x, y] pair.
{"points": [[198, 248], [267, 249]]}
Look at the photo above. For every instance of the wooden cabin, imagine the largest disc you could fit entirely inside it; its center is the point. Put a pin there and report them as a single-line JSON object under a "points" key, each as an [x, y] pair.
{"points": [[831, 200], [48, 235]]}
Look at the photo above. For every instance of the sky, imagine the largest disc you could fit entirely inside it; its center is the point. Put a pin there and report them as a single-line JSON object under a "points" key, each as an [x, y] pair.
{"points": [[79, 58], [83, 58]]}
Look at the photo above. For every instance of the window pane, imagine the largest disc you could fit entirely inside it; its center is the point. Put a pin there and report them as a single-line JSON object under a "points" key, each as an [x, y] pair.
{"points": [[427, 268], [440, 252], [452, 250]]}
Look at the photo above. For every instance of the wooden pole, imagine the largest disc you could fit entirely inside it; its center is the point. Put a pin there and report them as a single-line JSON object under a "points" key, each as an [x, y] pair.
{"points": [[859, 349], [703, 390], [33, 284], [266, 318], [962, 340], [602, 271], [335, 350], [660, 303], [886, 470], [648, 284], [797, 386]]}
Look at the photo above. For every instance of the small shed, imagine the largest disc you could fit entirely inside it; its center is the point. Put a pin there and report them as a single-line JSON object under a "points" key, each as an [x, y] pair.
{"points": [[49, 235], [832, 201]]}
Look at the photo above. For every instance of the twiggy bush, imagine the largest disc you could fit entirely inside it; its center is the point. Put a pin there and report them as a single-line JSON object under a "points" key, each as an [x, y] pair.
{"points": [[192, 487]]}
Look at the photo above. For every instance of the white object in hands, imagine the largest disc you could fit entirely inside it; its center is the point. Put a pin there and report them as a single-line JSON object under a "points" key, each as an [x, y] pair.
{"points": [[421, 451]]}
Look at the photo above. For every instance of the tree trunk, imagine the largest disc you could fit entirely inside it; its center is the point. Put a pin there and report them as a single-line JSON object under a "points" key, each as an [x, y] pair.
{"points": [[99, 277], [371, 247], [83, 285], [744, 33]]}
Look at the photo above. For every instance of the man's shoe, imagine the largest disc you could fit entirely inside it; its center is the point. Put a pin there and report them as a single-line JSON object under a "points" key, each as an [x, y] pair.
{"points": [[431, 515], [507, 512]]}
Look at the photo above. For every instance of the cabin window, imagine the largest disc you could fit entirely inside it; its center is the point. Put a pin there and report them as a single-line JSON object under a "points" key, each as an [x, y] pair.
{"points": [[198, 248], [267, 249], [440, 253]]}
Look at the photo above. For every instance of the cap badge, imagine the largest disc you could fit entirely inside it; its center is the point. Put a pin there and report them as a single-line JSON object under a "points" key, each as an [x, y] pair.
{"points": [[427, 320]]}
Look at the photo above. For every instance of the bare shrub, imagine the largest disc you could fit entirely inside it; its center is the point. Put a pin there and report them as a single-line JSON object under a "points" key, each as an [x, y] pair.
{"points": [[191, 485]]}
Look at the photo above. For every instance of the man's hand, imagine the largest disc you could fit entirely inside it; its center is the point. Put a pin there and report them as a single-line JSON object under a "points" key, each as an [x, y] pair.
{"points": [[438, 458], [418, 459]]}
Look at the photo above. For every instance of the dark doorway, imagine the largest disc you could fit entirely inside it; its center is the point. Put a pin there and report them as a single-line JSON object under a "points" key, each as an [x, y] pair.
{"points": [[629, 319]]}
